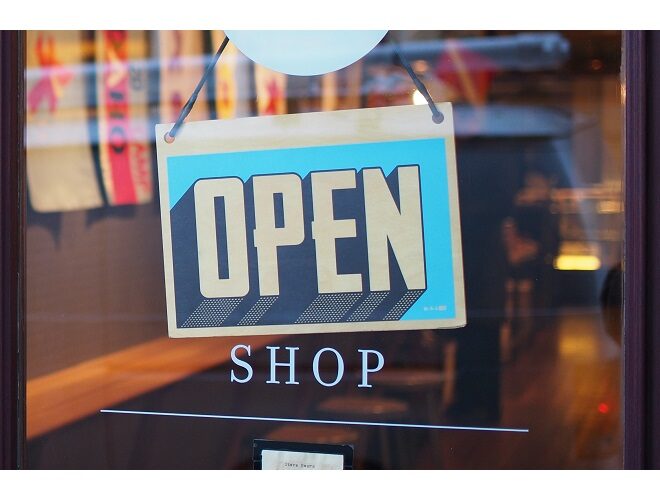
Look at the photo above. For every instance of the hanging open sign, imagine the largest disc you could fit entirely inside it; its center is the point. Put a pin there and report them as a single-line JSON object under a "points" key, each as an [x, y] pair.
{"points": [[308, 223]]}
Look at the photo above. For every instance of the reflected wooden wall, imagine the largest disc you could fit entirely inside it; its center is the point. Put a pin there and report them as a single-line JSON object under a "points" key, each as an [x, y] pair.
{"points": [[94, 284]]}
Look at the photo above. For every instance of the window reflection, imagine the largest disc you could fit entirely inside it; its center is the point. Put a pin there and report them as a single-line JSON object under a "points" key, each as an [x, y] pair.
{"points": [[537, 120]]}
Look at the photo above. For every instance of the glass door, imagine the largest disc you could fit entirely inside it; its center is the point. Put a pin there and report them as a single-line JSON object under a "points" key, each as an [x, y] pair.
{"points": [[532, 381]]}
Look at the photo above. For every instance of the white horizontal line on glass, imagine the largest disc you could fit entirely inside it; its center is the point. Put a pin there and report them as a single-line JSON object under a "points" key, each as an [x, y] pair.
{"points": [[311, 421]]}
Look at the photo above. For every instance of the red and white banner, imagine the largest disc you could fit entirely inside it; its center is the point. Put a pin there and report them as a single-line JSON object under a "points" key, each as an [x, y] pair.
{"points": [[60, 166], [123, 116]]}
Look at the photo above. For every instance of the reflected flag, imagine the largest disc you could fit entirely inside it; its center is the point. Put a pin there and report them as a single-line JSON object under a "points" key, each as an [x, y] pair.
{"points": [[182, 64], [61, 174], [271, 91], [232, 79], [467, 74]]}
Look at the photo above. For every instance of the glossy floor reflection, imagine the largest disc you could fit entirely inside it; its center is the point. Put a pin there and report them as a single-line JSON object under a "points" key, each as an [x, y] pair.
{"points": [[561, 382], [564, 384]]}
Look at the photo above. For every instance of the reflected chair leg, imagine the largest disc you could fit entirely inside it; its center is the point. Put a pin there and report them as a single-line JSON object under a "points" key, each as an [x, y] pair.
{"points": [[435, 441], [450, 373], [507, 334], [525, 294], [403, 453], [386, 451]]}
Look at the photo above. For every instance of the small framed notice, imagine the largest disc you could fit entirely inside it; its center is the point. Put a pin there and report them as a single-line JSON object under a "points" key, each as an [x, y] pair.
{"points": [[284, 455]]}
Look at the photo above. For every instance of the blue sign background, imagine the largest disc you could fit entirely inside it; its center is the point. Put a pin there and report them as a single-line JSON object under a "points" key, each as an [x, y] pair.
{"points": [[438, 300]]}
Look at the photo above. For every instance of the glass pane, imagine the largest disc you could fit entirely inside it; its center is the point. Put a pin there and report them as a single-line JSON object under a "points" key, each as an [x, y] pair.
{"points": [[532, 381]]}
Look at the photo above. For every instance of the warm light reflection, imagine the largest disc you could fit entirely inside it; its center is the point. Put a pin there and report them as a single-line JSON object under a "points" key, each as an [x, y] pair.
{"points": [[609, 207], [577, 263], [418, 98]]}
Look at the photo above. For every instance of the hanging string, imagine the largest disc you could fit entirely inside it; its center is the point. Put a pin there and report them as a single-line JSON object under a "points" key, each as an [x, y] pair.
{"points": [[437, 115], [187, 108]]}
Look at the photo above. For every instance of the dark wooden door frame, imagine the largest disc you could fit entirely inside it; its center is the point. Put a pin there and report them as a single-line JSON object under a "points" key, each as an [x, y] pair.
{"points": [[12, 250], [641, 339], [641, 372]]}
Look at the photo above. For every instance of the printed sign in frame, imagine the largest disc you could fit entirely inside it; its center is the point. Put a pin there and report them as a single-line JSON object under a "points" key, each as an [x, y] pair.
{"points": [[287, 455], [316, 222]]}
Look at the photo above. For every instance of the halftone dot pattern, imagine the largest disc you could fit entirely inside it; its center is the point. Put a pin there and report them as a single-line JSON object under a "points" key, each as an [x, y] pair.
{"points": [[328, 308], [258, 310], [405, 303], [212, 312], [368, 306]]}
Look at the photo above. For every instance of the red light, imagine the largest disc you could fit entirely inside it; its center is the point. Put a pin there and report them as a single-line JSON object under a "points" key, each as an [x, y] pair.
{"points": [[603, 408]]}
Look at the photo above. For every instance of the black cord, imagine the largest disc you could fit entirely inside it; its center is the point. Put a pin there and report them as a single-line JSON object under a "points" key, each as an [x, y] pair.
{"points": [[187, 108], [438, 117]]}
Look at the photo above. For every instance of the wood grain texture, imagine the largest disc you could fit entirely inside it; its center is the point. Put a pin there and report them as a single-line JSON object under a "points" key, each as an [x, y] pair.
{"points": [[68, 395]]}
